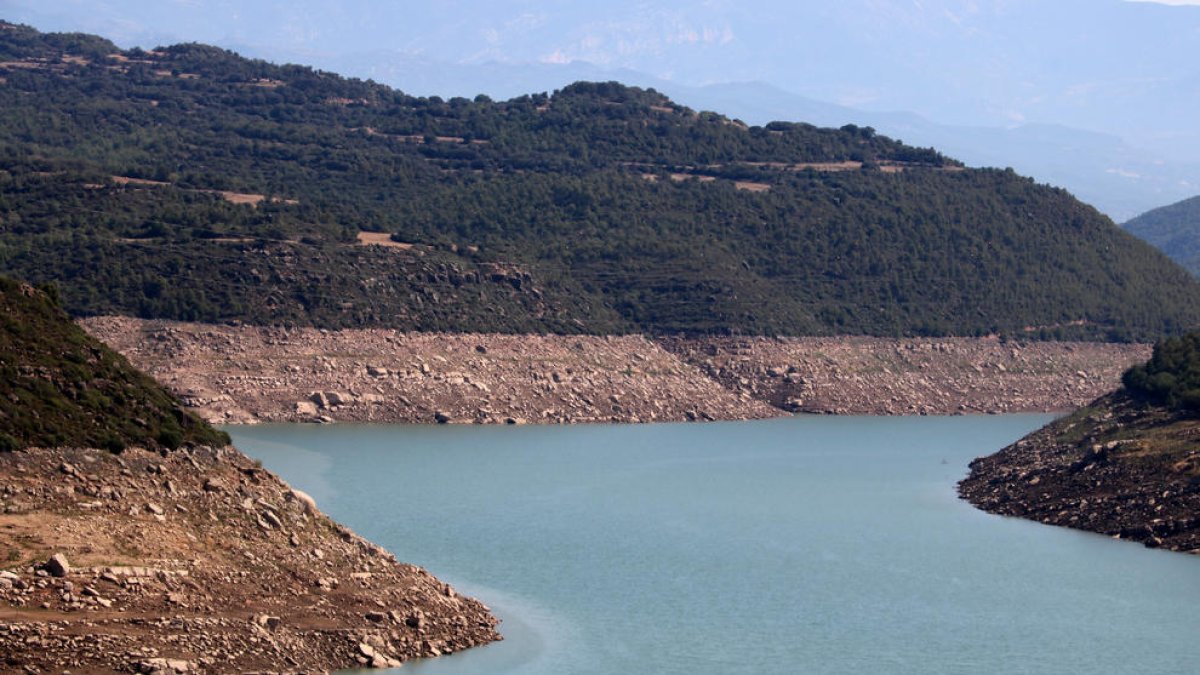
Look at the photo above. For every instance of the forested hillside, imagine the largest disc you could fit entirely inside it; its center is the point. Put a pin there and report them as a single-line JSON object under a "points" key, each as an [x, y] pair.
{"points": [[1173, 229], [190, 183], [60, 387]]}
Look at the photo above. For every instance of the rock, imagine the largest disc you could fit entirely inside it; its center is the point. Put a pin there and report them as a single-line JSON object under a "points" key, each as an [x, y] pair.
{"points": [[442, 417], [338, 398], [165, 666], [310, 504], [272, 519], [377, 617], [306, 408], [318, 399], [267, 621], [214, 485], [57, 565], [154, 508], [377, 371]]}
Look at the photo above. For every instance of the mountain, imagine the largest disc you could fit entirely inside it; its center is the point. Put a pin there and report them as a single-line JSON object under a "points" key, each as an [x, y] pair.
{"points": [[61, 387], [1121, 68], [1103, 170], [1173, 229], [998, 83], [190, 183], [1125, 465]]}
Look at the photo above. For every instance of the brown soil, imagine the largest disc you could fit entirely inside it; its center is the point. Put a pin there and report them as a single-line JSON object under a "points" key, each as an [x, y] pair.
{"points": [[247, 374], [751, 186], [380, 239], [200, 561]]}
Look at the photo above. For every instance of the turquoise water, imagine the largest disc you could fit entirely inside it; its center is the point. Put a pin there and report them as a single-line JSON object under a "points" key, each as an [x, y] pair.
{"points": [[801, 545]]}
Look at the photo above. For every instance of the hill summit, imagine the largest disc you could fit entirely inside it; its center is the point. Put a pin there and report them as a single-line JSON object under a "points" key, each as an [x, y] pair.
{"points": [[189, 183]]}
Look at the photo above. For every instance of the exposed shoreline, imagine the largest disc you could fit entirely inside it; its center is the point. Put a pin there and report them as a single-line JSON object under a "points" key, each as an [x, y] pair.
{"points": [[199, 560], [246, 375], [1116, 467]]}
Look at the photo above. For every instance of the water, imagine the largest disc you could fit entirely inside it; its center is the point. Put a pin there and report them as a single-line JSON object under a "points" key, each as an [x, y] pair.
{"points": [[804, 545]]}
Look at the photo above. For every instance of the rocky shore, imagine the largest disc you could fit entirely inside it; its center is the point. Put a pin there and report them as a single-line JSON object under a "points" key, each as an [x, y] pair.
{"points": [[885, 376], [241, 374], [198, 560], [248, 374], [1116, 467]]}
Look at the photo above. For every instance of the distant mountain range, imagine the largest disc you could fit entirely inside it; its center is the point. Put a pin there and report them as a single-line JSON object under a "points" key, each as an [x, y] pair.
{"points": [[1173, 229], [1096, 96], [191, 183]]}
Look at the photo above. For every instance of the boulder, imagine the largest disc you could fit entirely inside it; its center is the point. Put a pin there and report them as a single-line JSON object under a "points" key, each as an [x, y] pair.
{"points": [[309, 504], [57, 565]]}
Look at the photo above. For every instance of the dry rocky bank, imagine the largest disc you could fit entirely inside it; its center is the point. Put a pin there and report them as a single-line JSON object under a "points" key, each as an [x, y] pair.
{"points": [[242, 374], [198, 560], [1117, 467]]}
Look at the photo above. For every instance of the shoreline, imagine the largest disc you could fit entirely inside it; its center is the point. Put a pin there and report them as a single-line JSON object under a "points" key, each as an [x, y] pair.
{"points": [[248, 375], [1115, 468], [186, 561]]}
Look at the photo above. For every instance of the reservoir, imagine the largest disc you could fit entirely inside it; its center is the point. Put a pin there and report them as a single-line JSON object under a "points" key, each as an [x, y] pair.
{"points": [[797, 545]]}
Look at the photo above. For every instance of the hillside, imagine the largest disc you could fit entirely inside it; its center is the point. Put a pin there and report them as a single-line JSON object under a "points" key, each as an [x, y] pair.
{"points": [[189, 183], [131, 522], [1173, 229], [59, 386], [1126, 465]]}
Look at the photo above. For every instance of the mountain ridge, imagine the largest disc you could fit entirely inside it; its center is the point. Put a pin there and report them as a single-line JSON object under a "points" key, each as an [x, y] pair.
{"points": [[1174, 229], [188, 183]]}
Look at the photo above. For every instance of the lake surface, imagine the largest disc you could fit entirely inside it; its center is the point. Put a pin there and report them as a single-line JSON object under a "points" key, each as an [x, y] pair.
{"points": [[800, 545]]}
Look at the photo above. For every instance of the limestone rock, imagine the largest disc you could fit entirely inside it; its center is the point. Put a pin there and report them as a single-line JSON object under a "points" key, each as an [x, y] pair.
{"points": [[57, 565]]}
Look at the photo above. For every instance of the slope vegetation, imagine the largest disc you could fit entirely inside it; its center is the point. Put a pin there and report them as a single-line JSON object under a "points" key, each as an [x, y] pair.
{"points": [[59, 386], [190, 183], [1173, 229]]}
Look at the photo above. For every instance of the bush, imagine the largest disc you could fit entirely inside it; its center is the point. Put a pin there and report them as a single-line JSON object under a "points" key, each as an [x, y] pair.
{"points": [[170, 438], [1171, 376]]}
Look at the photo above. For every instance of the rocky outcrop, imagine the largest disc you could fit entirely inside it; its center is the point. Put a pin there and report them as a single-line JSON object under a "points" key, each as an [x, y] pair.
{"points": [[1118, 467], [199, 560], [242, 374], [246, 374], [890, 376]]}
